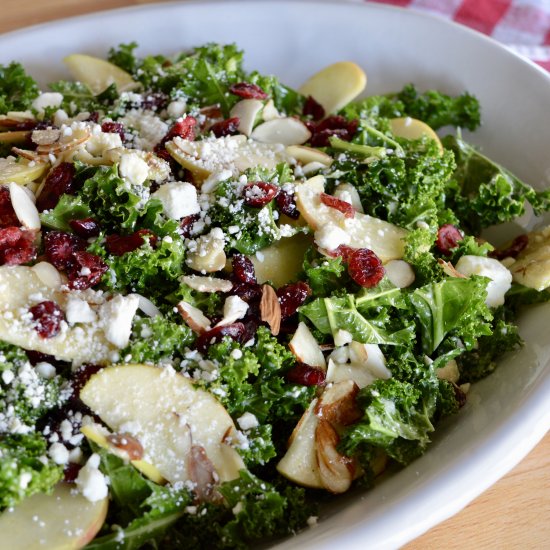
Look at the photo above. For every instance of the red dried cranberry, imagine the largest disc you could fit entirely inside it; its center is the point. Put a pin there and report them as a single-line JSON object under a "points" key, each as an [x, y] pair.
{"points": [[235, 331], [343, 251], [16, 246], [60, 247], [81, 376], [94, 117], [70, 473], [122, 244], [8, 217], [313, 109], [85, 271], [36, 357], [243, 269], [365, 267], [111, 127], [186, 224], [59, 181], [155, 101], [287, 205], [306, 375], [518, 244], [259, 193], [448, 237], [247, 292], [460, 396], [342, 206], [334, 125], [47, 317], [184, 129], [246, 90], [85, 228], [291, 297], [228, 127]]}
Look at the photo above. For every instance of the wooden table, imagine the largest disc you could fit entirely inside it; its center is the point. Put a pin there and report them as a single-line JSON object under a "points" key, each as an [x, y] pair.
{"points": [[514, 513]]}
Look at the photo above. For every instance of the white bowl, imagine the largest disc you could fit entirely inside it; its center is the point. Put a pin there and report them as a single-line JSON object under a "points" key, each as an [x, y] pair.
{"points": [[507, 413]]}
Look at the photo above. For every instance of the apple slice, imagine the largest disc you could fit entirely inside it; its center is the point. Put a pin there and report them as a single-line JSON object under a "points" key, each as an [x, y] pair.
{"points": [[19, 288], [383, 238], [307, 155], [99, 74], [411, 128], [336, 85], [306, 349], [532, 265], [21, 172], [281, 262], [18, 136], [167, 415], [64, 520], [288, 131], [246, 111]]}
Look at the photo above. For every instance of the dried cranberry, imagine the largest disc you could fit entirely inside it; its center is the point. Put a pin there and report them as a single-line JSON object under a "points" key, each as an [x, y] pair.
{"points": [[343, 251], [460, 396], [81, 376], [16, 246], [365, 267], [94, 117], [155, 101], [259, 193], [122, 244], [292, 296], [85, 228], [185, 129], [313, 109], [186, 224], [236, 331], [36, 357], [85, 271], [60, 247], [342, 206], [518, 244], [47, 317], [448, 237], [334, 125], [59, 181], [247, 292], [246, 90], [111, 127], [306, 375], [228, 127], [287, 205], [70, 473], [243, 269], [8, 217]]}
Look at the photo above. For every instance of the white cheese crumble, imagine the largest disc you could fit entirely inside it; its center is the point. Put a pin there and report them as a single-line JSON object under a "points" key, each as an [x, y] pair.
{"points": [[48, 99], [247, 421], [79, 311], [178, 198], [234, 308], [330, 237], [91, 482], [59, 453], [116, 317], [133, 168]]}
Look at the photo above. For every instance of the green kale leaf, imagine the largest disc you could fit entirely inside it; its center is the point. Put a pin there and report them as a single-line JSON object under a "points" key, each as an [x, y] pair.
{"points": [[17, 88]]}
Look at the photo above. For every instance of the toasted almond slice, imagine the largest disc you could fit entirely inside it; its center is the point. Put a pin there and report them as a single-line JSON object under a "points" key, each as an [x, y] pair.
{"points": [[411, 128], [246, 110], [335, 470], [306, 155], [99, 74], [207, 284], [194, 317], [18, 136], [24, 207], [145, 305], [48, 274], [29, 155], [287, 131], [234, 308], [400, 273], [449, 269], [270, 111], [270, 309], [338, 404], [59, 147], [306, 349], [45, 137], [336, 85]]}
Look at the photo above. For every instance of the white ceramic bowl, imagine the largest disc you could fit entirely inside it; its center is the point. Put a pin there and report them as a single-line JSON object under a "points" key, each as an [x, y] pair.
{"points": [[508, 412]]}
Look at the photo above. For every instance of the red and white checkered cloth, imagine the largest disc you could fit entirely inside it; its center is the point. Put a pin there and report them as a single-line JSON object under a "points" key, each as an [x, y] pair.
{"points": [[523, 25]]}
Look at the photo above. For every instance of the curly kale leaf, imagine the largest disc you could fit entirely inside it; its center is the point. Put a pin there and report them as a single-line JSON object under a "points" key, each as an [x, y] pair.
{"points": [[25, 468], [483, 193], [123, 56], [78, 97], [324, 275], [17, 88]]}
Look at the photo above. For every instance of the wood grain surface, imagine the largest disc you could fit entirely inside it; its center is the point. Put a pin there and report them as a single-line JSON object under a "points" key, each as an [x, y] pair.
{"points": [[513, 513]]}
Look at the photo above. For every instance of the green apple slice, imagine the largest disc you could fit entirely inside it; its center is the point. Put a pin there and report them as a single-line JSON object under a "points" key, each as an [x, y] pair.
{"points": [[21, 172], [412, 128], [383, 238], [22, 287], [64, 520], [167, 415], [99, 74], [532, 265], [17, 136], [336, 85]]}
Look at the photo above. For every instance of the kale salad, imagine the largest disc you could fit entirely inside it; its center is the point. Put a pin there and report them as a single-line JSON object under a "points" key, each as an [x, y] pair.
{"points": [[224, 302]]}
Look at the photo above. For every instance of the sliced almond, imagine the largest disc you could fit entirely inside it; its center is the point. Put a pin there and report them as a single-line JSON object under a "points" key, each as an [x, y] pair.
{"points": [[234, 308], [306, 349], [312, 167], [270, 111], [126, 443], [335, 470], [48, 274], [19, 136], [400, 273], [202, 474], [246, 111], [449, 269], [336, 85], [45, 137], [24, 207], [194, 317], [207, 284], [288, 131], [59, 147], [145, 305], [338, 404], [306, 155], [270, 309]]}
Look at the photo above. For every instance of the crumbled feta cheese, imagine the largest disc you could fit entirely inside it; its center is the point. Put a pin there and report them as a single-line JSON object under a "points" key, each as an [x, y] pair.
{"points": [[91, 482], [178, 198], [116, 317], [133, 168], [330, 237], [101, 142], [45, 370], [176, 108], [8, 376], [48, 99], [59, 453], [79, 311], [247, 421], [234, 308]]}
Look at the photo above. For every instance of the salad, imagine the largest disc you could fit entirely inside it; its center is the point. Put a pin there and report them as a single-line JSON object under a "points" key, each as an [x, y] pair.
{"points": [[224, 301]]}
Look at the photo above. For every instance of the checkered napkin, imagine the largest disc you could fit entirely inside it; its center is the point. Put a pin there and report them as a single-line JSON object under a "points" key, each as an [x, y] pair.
{"points": [[522, 25]]}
